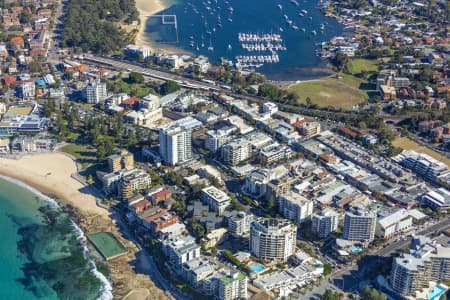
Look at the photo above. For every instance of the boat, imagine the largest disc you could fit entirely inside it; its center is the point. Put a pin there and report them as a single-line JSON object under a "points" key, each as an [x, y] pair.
{"points": [[210, 48], [295, 27], [301, 14], [314, 32], [229, 47], [303, 29], [281, 29], [294, 2], [304, 11], [280, 6], [230, 20], [322, 27]]}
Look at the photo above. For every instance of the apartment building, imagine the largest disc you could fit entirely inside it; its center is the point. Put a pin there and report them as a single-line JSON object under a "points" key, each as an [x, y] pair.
{"points": [[274, 153], [236, 151], [216, 199], [325, 222], [427, 261], [232, 286], [423, 164], [310, 129], [179, 250], [272, 239], [239, 223], [119, 161], [295, 207], [437, 199], [95, 92], [175, 143], [215, 139], [132, 182], [359, 225]]}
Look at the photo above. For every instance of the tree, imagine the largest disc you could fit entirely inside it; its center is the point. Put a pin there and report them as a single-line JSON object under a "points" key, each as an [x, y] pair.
{"points": [[308, 102], [169, 87], [269, 90], [372, 294], [136, 77], [330, 295], [327, 269]]}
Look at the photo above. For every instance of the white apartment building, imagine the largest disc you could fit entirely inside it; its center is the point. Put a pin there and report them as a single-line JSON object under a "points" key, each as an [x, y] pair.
{"points": [[295, 207], [273, 153], [272, 239], [359, 225], [438, 199], [95, 92], [256, 183], [216, 199], [239, 223], [215, 139], [179, 250], [175, 144], [27, 90], [236, 151], [325, 222], [232, 286], [426, 262]]}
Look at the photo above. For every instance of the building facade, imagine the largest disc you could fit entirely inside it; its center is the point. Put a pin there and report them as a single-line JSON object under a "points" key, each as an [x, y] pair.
{"points": [[272, 239], [216, 199], [295, 207], [325, 222], [359, 225], [175, 144]]}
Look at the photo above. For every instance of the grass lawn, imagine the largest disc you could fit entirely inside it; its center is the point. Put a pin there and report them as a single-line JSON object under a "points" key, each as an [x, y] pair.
{"points": [[360, 65], [407, 144], [84, 155], [343, 92]]}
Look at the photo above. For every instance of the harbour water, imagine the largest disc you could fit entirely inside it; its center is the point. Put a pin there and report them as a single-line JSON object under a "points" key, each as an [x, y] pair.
{"points": [[44, 254], [211, 28]]}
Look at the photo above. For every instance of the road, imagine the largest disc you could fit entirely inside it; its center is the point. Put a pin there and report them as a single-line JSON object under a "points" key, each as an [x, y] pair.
{"points": [[146, 261], [351, 276], [161, 73]]}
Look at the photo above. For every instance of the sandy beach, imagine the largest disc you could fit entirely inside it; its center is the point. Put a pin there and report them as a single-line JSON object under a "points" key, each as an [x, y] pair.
{"points": [[51, 174], [147, 8]]}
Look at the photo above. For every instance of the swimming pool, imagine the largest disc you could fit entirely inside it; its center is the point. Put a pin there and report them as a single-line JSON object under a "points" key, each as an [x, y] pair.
{"points": [[257, 268], [356, 249], [437, 292]]}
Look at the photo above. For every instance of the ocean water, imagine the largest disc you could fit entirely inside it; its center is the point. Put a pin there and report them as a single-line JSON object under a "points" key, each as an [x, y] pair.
{"points": [[44, 254], [197, 26]]}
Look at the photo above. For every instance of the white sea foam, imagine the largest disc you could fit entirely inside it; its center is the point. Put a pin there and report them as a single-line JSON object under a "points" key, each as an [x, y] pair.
{"points": [[106, 289]]}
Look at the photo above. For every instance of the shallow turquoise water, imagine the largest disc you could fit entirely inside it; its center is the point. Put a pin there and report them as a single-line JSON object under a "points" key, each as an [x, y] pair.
{"points": [[43, 254]]}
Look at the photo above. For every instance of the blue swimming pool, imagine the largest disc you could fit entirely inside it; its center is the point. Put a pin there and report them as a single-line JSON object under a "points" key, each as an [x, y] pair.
{"points": [[257, 268], [437, 292], [356, 249]]}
